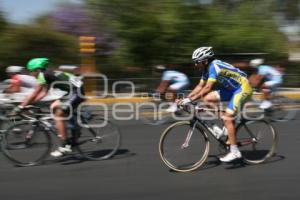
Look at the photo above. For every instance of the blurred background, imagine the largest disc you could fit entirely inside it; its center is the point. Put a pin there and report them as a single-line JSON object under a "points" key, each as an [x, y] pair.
{"points": [[124, 39]]}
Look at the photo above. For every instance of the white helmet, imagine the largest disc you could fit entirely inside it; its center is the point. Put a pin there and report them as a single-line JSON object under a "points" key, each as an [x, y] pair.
{"points": [[202, 53], [14, 69], [160, 67], [68, 67], [256, 62]]}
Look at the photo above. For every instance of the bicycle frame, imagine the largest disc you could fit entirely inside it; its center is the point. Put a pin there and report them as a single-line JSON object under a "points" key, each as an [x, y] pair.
{"points": [[203, 125]]}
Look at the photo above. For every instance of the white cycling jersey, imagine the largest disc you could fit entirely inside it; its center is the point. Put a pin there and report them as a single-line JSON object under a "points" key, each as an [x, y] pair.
{"points": [[174, 76], [270, 74], [27, 81], [177, 79]]}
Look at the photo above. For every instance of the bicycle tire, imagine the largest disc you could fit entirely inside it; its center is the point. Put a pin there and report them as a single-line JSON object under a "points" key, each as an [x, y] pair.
{"points": [[171, 143], [98, 142], [257, 141], [154, 113], [284, 109], [26, 144]]}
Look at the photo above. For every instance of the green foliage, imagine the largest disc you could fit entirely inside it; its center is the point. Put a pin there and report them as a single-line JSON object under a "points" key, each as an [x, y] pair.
{"points": [[20, 44], [3, 23], [167, 31], [248, 30]]}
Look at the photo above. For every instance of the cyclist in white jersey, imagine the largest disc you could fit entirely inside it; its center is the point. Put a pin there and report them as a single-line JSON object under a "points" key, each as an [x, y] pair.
{"points": [[19, 82], [268, 78], [172, 82]]}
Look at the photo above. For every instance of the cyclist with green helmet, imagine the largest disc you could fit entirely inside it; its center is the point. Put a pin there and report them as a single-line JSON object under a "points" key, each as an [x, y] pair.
{"points": [[57, 79]]}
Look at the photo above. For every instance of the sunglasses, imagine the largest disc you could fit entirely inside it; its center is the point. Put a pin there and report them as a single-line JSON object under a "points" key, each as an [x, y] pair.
{"points": [[198, 61]]}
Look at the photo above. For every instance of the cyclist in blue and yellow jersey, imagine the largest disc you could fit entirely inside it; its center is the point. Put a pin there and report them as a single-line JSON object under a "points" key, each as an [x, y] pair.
{"points": [[221, 82], [56, 79], [268, 79]]}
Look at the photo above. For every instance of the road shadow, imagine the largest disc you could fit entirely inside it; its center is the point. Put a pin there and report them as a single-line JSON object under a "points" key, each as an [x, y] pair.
{"points": [[77, 158], [241, 163], [213, 161]]}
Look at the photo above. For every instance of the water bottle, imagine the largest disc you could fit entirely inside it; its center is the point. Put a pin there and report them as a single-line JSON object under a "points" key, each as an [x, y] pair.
{"points": [[218, 132], [224, 131]]}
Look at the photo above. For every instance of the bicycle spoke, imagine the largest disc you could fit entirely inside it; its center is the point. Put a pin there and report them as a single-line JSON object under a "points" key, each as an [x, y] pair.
{"points": [[256, 140], [99, 143], [195, 143], [26, 144]]}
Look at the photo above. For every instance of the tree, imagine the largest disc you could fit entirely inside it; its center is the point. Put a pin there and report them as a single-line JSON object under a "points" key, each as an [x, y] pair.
{"points": [[23, 43], [75, 20], [3, 23], [167, 31], [251, 29]]}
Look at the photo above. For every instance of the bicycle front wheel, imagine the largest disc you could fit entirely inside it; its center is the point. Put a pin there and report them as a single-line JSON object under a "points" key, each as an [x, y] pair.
{"points": [[183, 147], [257, 141], [26, 144], [98, 139]]}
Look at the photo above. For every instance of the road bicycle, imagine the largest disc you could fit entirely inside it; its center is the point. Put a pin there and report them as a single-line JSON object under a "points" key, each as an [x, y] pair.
{"points": [[28, 142], [185, 145], [5, 122], [155, 111], [282, 110]]}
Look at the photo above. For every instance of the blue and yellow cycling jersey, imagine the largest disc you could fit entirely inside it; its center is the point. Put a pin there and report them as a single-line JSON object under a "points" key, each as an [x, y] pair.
{"points": [[225, 75], [232, 84]]}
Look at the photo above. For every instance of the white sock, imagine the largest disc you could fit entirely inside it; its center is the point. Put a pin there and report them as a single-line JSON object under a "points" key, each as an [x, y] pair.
{"points": [[234, 148]]}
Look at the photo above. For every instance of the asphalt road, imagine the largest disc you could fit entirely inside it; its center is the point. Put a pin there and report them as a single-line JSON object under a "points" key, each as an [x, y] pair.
{"points": [[137, 173]]}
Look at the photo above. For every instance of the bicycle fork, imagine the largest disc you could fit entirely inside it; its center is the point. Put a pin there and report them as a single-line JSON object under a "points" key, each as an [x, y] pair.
{"points": [[189, 136]]}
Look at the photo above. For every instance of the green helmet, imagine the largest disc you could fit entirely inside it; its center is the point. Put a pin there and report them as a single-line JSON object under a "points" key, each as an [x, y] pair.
{"points": [[37, 63]]}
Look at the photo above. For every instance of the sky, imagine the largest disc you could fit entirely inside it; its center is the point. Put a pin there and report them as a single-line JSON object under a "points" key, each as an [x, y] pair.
{"points": [[24, 11]]}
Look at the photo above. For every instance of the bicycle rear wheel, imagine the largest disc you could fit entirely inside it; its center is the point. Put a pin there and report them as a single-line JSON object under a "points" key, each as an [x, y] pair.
{"points": [[257, 140], [154, 113], [180, 152], [26, 144], [98, 139], [283, 109]]}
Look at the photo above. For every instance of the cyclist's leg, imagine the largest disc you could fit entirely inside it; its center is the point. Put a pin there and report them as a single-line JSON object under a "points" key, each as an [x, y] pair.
{"points": [[179, 89], [268, 88], [214, 98], [70, 105], [172, 92], [59, 115], [63, 109], [239, 98]]}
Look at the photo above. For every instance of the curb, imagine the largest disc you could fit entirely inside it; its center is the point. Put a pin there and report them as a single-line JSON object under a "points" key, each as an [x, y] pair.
{"points": [[113, 100]]}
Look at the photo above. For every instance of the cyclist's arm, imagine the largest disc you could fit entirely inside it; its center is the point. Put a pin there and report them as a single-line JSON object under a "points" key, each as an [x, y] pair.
{"points": [[204, 91], [30, 99], [197, 89], [41, 95]]}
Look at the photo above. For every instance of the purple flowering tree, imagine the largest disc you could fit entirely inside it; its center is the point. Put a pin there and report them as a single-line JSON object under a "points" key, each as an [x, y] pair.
{"points": [[75, 20]]}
